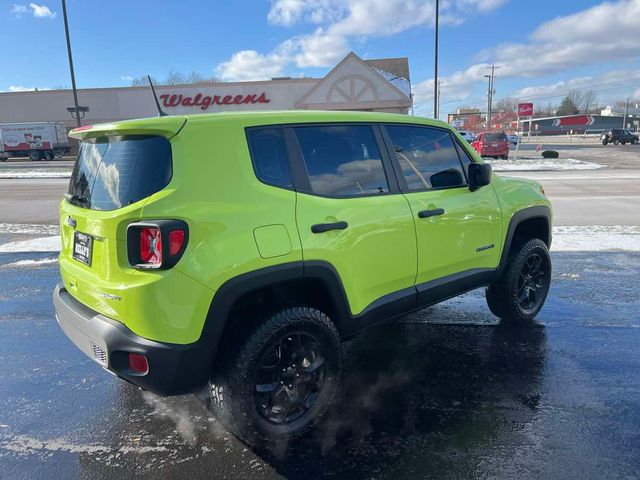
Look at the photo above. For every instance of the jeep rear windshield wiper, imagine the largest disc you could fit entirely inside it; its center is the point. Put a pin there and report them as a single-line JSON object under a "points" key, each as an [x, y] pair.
{"points": [[77, 199]]}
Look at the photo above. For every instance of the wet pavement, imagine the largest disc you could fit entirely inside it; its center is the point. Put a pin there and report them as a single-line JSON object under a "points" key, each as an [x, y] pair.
{"points": [[447, 392]]}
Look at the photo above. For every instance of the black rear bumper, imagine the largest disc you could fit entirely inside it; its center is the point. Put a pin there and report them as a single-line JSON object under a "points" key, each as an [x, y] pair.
{"points": [[173, 369]]}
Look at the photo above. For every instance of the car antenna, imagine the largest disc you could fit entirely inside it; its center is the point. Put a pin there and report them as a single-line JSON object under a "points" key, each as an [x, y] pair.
{"points": [[161, 113]]}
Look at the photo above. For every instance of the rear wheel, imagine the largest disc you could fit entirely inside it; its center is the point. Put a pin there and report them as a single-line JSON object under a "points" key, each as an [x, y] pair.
{"points": [[522, 290], [634, 141], [48, 155], [278, 382], [604, 142], [35, 155], [616, 141]]}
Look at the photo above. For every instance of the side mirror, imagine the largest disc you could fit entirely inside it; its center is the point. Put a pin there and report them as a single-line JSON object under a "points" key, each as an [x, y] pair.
{"points": [[479, 175]]}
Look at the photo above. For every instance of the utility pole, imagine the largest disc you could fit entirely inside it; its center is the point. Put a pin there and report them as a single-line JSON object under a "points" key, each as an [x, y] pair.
{"points": [[73, 76], [626, 112], [435, 67], [440, 82], [490, 93]]}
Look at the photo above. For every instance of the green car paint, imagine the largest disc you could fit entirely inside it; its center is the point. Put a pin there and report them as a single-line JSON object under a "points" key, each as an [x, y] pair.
{"points": [[238, 225]]}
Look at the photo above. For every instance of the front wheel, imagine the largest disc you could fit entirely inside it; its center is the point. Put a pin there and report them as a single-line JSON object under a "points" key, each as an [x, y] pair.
{"points": [[35, 155], [520, 293], [279, 381], [604, 142], [634, 141], [616, 142]]}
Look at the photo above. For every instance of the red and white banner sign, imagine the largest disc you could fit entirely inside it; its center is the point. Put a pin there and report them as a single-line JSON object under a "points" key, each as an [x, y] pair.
{"points": [[525, 109], [575, 120]]}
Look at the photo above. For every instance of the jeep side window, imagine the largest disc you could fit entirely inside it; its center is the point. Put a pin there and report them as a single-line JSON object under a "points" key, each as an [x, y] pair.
{"points": [[342, 160], [269, 156], [427, 157], [464, 158]]}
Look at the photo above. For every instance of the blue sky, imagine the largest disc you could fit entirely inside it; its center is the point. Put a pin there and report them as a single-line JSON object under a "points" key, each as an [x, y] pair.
{"points": [[543, 47]]}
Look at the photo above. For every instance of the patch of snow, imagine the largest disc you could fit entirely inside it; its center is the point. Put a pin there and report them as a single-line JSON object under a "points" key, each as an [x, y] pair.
{"points": [[29, 229], [596, 238], [24, 444], [544, 164], [400, 83], [31, 263], [42, 173], [43, 244]]}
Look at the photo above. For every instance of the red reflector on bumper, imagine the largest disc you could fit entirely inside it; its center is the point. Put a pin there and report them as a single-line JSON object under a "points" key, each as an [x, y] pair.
{"points": [[138, 363]]}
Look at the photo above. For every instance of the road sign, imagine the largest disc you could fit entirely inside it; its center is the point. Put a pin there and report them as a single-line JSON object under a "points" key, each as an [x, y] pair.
{"points": [[457, 123], [525, 109]]}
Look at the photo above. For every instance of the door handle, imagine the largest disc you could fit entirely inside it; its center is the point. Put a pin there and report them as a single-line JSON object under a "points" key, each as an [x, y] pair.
{"points": [[325, 227], [430, 213]]}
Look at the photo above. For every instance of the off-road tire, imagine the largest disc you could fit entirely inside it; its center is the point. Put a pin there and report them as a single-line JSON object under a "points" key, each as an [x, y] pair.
{"points": [[502, 296], [232, 386]]}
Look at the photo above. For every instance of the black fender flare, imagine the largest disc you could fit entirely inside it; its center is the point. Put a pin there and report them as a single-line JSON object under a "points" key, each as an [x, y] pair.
{"points": [[235, 288], [540, 211]]}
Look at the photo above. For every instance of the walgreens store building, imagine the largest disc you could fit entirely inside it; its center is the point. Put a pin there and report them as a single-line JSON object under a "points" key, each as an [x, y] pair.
{"points": [[354, 84]]}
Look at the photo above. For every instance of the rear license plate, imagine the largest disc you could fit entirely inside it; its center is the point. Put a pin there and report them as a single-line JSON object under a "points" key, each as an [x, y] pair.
{"points": [[82, 247], [494, 144]]}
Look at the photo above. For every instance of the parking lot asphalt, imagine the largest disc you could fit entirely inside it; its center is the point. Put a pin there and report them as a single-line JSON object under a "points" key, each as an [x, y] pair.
{"points": [[447, 392]]}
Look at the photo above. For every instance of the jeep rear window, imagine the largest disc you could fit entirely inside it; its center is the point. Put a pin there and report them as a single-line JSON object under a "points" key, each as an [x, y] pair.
{"points": [[115, 171], [495, 137]]}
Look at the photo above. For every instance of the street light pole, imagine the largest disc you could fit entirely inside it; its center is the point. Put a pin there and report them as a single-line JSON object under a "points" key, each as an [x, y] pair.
{"points": [[626, 112], [73, 76], [490, 95], [435, 67]]}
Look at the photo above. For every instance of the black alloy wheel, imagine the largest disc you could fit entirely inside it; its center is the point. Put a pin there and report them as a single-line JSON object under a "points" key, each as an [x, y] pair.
{"points": [[532, 282], [290, 377]]}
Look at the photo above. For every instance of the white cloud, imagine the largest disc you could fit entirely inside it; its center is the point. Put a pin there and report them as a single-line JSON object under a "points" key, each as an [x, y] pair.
{"points": [[20, 88], [19, 10], [608, 84], [599, 34], [336, 23], [41, 11], [126, 78], [251, 65], [38, 11]]}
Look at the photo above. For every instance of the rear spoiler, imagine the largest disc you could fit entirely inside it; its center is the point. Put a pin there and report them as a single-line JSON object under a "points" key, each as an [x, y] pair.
{"points": [[163, 126]]}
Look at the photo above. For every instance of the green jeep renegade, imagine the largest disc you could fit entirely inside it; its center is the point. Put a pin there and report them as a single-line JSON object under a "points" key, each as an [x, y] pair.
{"points": [[232, 253]]}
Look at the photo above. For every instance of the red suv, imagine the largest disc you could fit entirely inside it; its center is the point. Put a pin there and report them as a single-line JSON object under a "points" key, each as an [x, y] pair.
{"points": [[492, 144]]}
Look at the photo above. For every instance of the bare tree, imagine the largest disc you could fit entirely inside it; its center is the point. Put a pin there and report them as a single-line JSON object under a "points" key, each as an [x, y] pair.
{"points": [[175, 77], [589, 101]]}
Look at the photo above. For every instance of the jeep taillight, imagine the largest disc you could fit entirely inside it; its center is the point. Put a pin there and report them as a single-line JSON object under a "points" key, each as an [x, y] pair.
{"points": [[156, 244], [151, 246]]}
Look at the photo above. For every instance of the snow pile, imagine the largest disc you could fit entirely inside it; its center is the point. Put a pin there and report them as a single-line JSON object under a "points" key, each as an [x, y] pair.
{"points": [[29, 229], [40, 173], [43, 244], [542, 164], [597, 238], [31, 263]]}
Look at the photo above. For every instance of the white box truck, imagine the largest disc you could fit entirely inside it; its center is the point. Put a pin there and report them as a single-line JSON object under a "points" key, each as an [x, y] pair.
{"points": [[36, 140]]}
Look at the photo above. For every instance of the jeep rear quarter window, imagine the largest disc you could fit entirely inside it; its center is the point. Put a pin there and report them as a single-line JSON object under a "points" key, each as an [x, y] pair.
{"points": [[427, 156], [269, 155], [113, 172], [342, 160]]}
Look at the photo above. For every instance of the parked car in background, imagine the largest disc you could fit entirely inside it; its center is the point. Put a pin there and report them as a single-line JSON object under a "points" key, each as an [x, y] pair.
{"points": [[468, 136], [617, 136], [492, 144], [513, 138]]}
